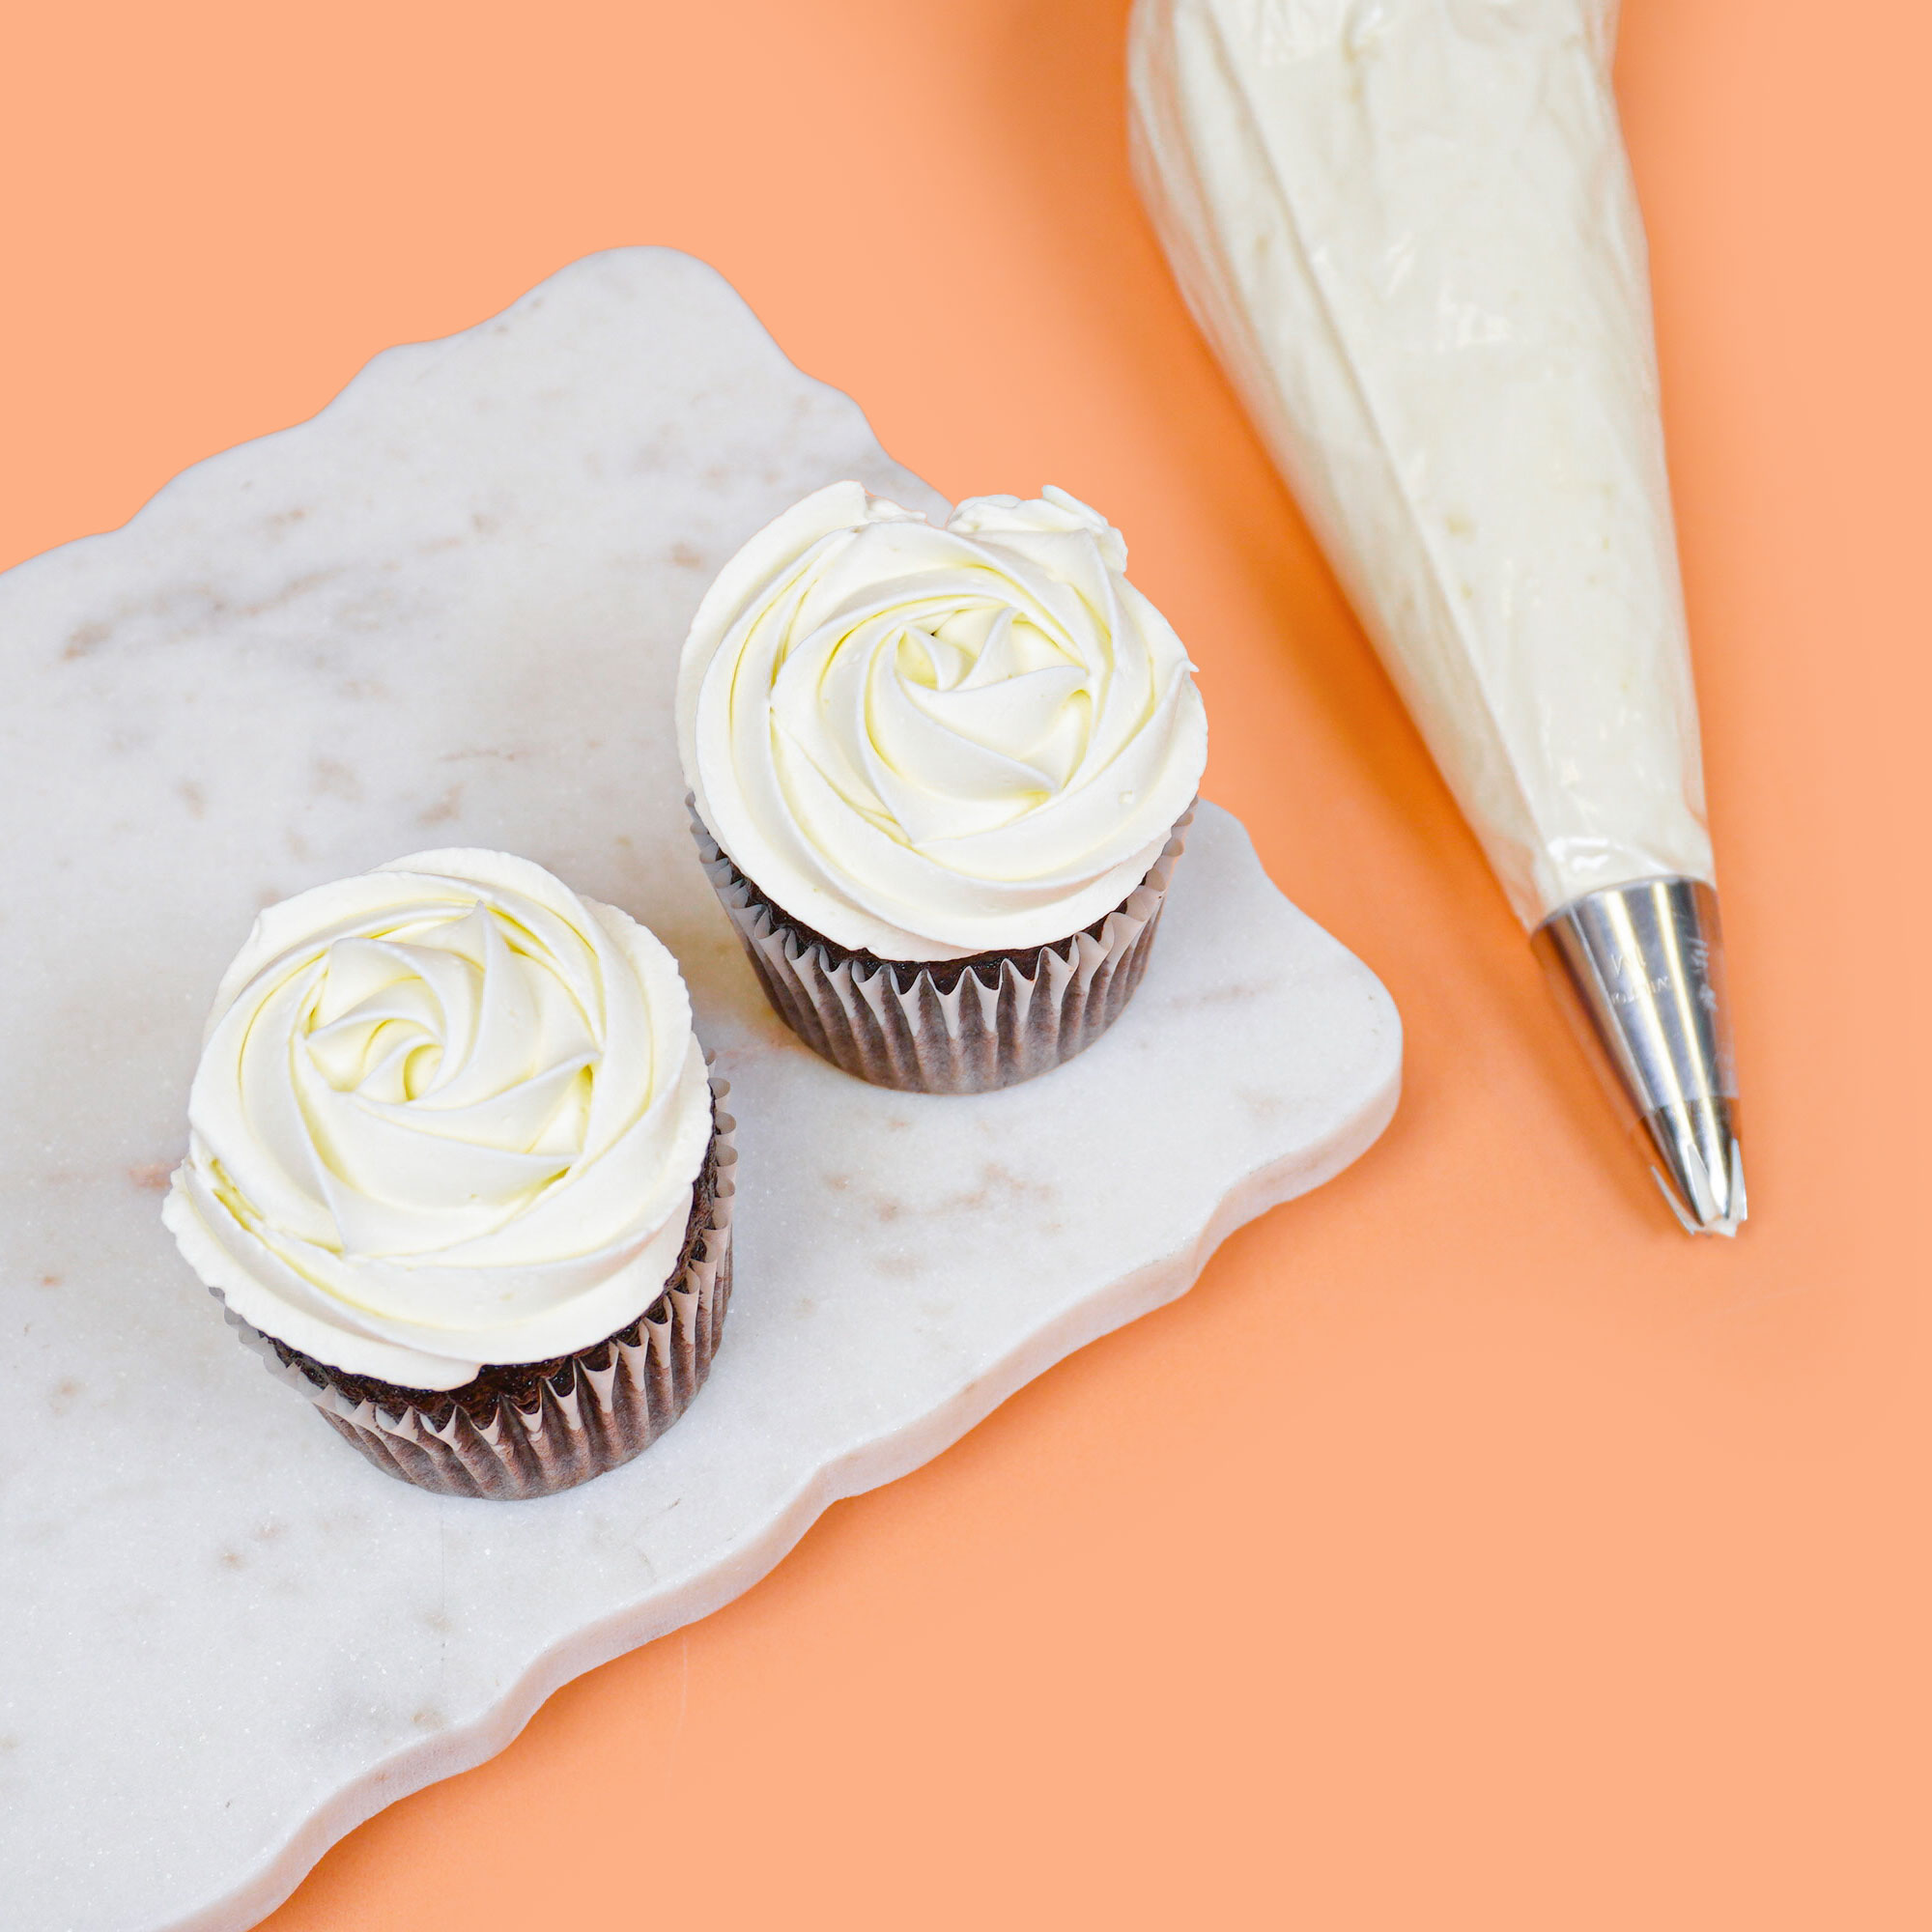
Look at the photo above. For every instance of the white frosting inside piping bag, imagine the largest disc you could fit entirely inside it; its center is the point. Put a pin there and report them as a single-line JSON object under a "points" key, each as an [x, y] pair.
{"points": [[447, 1114], [929, 742], [1408, 227]]}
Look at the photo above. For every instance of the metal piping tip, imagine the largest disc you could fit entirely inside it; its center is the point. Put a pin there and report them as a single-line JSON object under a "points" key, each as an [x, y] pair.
{"points": [[1641, 967]]}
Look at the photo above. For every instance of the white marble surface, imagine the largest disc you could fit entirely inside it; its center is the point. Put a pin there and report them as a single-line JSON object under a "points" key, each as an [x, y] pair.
{"points": [[444, 613]]}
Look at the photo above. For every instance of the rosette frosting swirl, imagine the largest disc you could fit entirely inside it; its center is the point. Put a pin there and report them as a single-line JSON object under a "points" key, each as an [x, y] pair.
{"points": [[925, 743], [447, 1114]]}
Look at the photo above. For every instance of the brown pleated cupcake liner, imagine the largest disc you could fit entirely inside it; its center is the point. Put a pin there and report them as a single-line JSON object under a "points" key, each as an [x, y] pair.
{"points": [[558, 1424], [953, 1026]]}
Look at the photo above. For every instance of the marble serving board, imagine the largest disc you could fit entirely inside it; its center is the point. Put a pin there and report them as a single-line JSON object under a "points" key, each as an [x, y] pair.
{"points": [[445, 612]]}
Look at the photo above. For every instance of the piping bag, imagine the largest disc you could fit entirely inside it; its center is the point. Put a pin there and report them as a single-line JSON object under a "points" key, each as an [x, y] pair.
{"points": [[1409, 230]]}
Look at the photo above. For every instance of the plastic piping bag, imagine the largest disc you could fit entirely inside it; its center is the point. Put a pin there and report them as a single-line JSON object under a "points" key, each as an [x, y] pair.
{"points": [[1409, 230]]}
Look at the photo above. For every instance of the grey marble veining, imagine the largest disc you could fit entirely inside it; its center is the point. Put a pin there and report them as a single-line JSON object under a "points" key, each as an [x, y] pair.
{"points": [[445, 612]]}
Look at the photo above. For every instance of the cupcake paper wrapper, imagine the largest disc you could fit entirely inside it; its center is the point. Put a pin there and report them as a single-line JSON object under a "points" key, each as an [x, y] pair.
{"points": [[605, 1404], [941, 1027]]}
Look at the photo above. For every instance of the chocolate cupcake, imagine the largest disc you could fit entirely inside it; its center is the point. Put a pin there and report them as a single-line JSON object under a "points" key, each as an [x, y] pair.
{"points": [[939, 779], [457, 1171]]}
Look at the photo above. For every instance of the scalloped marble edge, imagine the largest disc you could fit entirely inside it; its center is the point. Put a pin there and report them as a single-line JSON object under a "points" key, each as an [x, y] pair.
{"points": [[870, 1466]]}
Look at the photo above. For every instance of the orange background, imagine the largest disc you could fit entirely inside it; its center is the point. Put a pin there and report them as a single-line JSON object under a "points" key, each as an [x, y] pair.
{"points": [[1469, 1548]]}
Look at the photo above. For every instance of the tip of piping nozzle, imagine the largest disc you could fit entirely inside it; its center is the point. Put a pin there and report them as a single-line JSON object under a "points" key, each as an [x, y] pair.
{"points": [[1640, 967], [1700, 1171]]}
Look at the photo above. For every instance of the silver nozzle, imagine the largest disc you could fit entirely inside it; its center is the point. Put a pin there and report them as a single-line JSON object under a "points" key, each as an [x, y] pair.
{"points": [[1641, 966]]}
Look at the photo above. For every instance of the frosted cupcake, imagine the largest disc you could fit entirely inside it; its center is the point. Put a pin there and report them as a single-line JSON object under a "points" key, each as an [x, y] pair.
{"points": [[939, 779], [455, 1168]]}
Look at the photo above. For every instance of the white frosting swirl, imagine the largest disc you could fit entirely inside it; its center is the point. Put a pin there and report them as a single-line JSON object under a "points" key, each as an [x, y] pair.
{"points": [[927, 743], [447, 1114]]}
